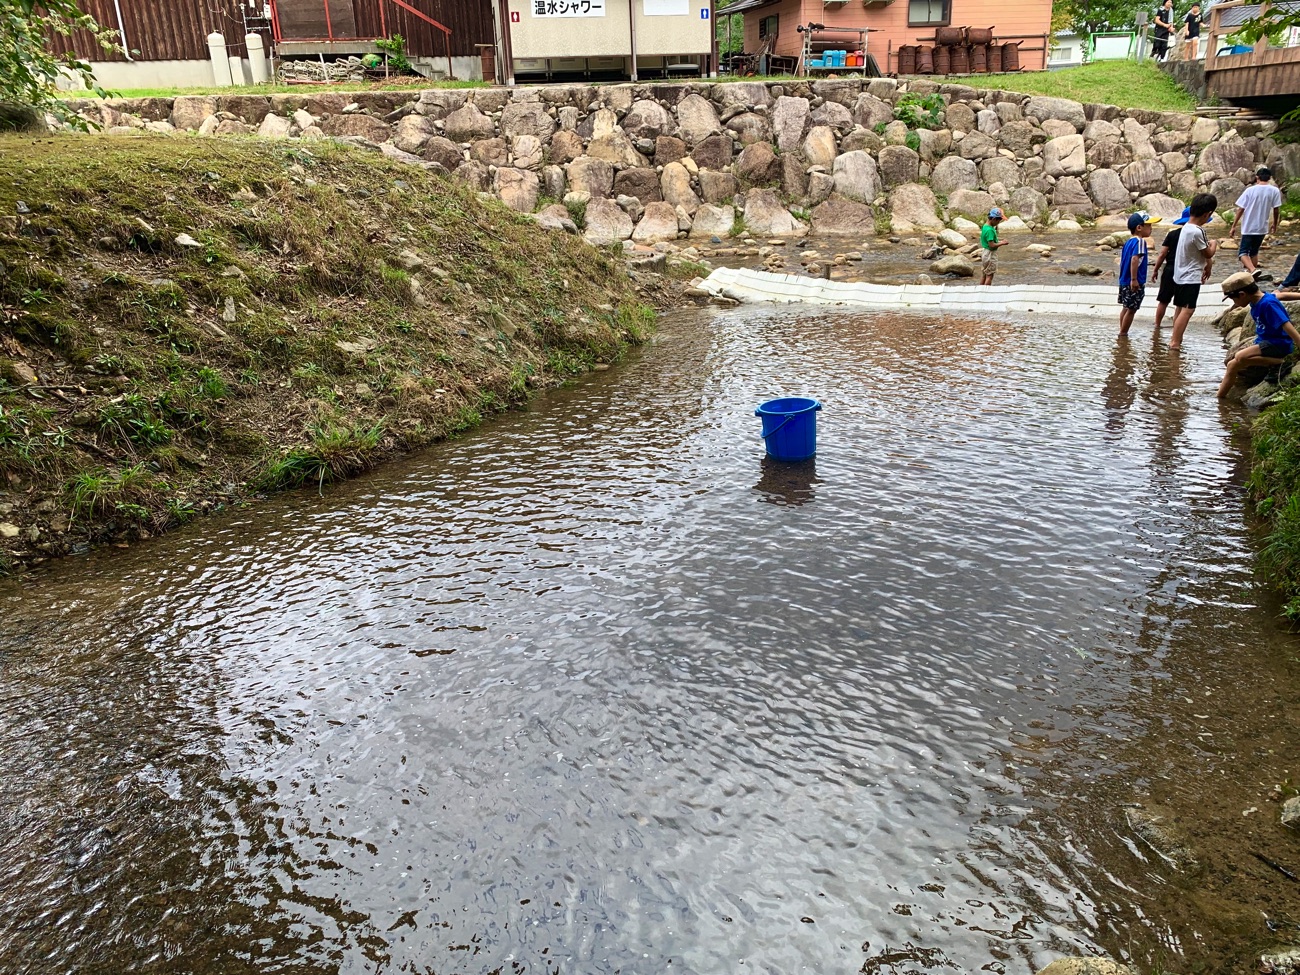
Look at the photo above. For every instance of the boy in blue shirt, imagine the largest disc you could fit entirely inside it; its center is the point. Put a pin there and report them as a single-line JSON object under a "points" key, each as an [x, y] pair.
{"points": [[1275, 336], [1133, 268]]}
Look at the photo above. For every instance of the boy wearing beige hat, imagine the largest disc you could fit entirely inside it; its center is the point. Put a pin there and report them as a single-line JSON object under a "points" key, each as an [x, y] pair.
{"points": [[1275, 336]]}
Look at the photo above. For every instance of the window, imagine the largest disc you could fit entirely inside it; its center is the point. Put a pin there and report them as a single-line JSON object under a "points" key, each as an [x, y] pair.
{"points": [[767, 27], [928, 13]]}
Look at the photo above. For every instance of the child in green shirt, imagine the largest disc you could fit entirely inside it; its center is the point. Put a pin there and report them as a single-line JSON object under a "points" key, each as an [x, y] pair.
{"points": [[989, 245]]}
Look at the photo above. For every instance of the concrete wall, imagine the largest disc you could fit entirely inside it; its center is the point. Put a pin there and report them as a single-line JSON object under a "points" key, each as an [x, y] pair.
{"points": [[127, 75]]}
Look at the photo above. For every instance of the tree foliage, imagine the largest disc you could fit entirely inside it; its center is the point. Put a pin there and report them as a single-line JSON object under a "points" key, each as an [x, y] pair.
{"points": [[31, 33], [1086, 17]]}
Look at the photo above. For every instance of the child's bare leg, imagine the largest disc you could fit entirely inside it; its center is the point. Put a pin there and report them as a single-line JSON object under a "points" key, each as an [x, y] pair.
{"points": [[1181, 317], [1160, 312], [1125, 320], [1249, 356]]}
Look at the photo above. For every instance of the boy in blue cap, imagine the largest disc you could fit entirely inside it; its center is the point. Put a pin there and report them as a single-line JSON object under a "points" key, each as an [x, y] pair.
{"points": [[989, 245], [1275, 336], [1133, 268], [1165, 259]]}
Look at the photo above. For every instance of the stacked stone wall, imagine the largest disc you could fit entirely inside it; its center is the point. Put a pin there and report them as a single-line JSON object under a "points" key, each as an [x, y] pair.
{"points": [[657, 162]]}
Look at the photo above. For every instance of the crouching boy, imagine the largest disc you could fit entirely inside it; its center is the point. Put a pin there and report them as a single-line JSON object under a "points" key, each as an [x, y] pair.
{"points": [[1275, 336]]}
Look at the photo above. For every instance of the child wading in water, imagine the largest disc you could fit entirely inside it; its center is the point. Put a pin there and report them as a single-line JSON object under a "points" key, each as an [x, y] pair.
{"points": [[989, 245], [1275, 336], [1133, 268]]}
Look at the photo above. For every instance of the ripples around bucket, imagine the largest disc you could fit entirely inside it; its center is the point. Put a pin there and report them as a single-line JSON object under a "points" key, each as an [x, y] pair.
{"points": [[598, 689]]}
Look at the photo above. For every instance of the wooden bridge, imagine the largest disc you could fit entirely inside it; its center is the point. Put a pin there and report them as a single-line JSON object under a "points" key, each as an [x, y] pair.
{"points": [[1265, 77]]}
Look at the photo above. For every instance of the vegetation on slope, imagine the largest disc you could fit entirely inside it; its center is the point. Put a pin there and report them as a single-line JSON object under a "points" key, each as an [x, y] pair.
{"points": [[185, 321], [1123, 83], [1275, 486]]}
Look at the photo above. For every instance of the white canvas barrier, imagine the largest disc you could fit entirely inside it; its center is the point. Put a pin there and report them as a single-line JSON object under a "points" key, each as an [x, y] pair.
{"points": [[746, 286]]}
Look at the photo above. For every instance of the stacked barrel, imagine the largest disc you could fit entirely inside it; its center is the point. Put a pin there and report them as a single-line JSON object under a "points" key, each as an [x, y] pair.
{"points": [[960, 50]]}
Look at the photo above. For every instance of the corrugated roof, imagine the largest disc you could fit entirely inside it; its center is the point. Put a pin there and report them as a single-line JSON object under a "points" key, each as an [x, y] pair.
{"points": [[743, 5]]}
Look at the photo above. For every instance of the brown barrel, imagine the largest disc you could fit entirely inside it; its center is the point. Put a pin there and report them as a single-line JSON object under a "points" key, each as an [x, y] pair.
{"points": [[924, 61], [979, 35], [950, 35], [907, 59], [995, 59], [1011, 56], [960, 60], [979, 59], [943, 59]]}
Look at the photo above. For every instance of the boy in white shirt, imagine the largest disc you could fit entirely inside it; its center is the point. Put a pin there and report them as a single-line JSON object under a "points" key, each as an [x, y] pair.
{"points": [[1258, 209], [1193, 262]]}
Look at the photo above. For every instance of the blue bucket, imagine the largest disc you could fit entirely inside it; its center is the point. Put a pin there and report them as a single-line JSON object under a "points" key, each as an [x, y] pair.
{"points": [[790, 427]]}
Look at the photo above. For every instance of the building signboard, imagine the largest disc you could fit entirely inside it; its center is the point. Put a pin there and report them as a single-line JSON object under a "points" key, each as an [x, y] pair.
{"points": [[568, 8]]}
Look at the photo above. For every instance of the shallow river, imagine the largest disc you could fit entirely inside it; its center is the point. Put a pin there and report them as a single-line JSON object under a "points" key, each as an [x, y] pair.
{"points": [[596, 689]]}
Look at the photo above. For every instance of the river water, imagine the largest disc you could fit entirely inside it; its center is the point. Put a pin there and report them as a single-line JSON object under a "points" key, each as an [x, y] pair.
{"points": [[597, 689]]}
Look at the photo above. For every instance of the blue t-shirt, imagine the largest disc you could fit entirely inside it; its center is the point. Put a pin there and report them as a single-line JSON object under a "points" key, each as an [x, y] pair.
{"points": [[1132, 247], [1270, 321]]}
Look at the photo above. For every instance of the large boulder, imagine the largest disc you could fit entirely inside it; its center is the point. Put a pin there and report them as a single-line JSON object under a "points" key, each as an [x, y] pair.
{"points": [[1106, 190], [935, 144], [747, 94], [1110, 155], [789, 120], [819, 147], [977, 146], [556, 217], [1101, 129], [616, 148], [1225, 158], [1167, 208], [444, 152], [713, 221], [1172, 141], [648, 119], [191, 111], [856, 177], [1002, 170], [675, 183], [525, 118], [913, 207], [834, 115], [518, 188], [1028, 203], [717, 187], [843, 218], [1041, 107], [1203, 130], [671, 149], [960, 118], [1020, 136], [359, 125], [640, 182], [696, 119], [954, 264], [1228, 189], [1069, 196], [412, 133], [975, 204], [566, 145], [490, 152], [606, 223], [750, 128], [794, 176], [592, 176], [1064, 156], [526, 152], [870, 111], [1145, 176], [898, 165], [465, 124], [278, 127], [758, 165], [712, 153], [474, 175], [954, 173], [766, 215], [658, 223]]}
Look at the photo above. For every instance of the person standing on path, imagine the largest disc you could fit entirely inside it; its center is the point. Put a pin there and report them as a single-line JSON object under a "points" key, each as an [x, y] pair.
{"points": [[1292, 280], [1165, 259], [989, 245], [1192, 32], [1133, 268], [1258, 211], [1164, 25], [1193, 262], [1275, 336]]}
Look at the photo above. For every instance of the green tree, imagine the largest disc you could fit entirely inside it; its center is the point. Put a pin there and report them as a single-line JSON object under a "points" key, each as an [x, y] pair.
{"points": [[31, 31], [1086, 17], [735, 23]]}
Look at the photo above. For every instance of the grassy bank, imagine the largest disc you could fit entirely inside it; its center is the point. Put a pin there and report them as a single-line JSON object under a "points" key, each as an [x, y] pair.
{"points": [[187, 322], [404, 83], [1123, 83], [1275, 487]]}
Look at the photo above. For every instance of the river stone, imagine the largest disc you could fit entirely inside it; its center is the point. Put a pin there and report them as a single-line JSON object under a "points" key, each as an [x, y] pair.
{"points": [[1028, 202], [474, 175], [856, 177], [758, 164], [1086, 966], [987, 121], [913, 207], [843, 218], [648, 119], [766, 215], [1101, 129], [517, 188], [1110, 155], [899, 165], [747, 94], [750, 128], [412, 133], [1069, 196], [819, 147], [1174, 162], [191, 111], [870, 111], [954, 173], [835, 116], [640, 182], [526, 118], [696, 119], [675, 184], [713, 221], [1064, 156], [820, 187], [1291, 813], [789, 120], [566, 145], [1055, 128], [490, 152], [466, 124], [1145, 176], [971, 203], [276, 127], [444, 152], [1204, 130], [671, 149], [556, 217], [1227, 189], [954, 264], [863, 139], [1041, 107], [1002, 170], [341, 126], [606, 223], [1167, 208], [526, 152], [794, 177], [959, 117], [717, 187], [1173, 141], [1225, 158], [1184, 184], [976, 146], [712, 153], [592, 176], [1106, 189], [658, 223]]}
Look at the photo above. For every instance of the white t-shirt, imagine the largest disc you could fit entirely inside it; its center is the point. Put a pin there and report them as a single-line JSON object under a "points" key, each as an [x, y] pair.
{"points": [[1190, 258], [1258, 203]]}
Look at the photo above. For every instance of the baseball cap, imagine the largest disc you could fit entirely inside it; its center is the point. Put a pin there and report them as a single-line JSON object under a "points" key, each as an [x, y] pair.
{"points": [[995, 213], [1240, 281], [1136, 220], [1187, 215]]}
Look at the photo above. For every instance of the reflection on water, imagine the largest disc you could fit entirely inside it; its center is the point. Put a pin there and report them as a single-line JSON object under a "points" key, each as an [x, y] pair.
{"points": [[564, 695]]}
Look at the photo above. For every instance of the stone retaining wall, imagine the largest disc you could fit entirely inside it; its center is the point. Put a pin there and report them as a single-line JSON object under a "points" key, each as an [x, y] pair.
{"points": [[655, 162]]}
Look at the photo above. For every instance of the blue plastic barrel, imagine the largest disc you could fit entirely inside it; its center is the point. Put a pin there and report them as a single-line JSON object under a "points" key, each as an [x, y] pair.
{"points": [[790, 427]]}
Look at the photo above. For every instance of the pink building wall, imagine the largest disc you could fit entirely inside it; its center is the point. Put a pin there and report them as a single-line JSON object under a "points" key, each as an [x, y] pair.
{"points": [[1028, 21]]}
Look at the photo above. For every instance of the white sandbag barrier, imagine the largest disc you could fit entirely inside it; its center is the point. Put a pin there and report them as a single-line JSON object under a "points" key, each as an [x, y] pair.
{"points": [[751, 287]]}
